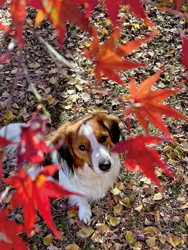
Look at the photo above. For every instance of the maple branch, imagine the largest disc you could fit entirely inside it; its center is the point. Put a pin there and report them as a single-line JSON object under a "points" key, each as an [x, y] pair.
{"points": [[52, 51], [37, 95]]}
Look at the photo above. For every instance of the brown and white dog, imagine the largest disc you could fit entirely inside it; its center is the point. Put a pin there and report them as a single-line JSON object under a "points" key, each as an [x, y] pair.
{"points": [[88, 166]]}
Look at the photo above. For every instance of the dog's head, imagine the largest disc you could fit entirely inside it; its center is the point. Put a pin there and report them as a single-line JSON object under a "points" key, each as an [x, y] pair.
{"points": [[88, 141]]}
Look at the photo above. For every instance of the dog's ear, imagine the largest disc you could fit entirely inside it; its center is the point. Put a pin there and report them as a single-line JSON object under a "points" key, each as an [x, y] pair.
{"points": [[65, 151], [112, 124]]}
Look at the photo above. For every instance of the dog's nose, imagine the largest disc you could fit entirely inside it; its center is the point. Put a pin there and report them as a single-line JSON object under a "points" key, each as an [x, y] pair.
{"points": [[105, 166]]}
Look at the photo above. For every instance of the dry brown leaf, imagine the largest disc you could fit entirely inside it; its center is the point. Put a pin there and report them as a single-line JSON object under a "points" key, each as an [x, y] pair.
{"points": [[181, 198], [102, 227]]}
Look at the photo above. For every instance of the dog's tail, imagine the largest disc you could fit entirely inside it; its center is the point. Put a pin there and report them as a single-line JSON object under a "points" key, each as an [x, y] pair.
{"points": [[12, 133]]}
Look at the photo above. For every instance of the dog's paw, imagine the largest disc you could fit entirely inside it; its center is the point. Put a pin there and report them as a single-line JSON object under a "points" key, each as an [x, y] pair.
{"points": [[85, 214]]}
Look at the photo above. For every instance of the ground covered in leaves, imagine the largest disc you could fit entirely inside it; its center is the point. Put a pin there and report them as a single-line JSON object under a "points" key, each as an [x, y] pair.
{"points": [[134, 215]]}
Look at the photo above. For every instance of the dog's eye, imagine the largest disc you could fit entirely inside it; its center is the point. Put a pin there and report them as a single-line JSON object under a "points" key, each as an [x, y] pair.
{"points": [[103, 138], [82, 148]]}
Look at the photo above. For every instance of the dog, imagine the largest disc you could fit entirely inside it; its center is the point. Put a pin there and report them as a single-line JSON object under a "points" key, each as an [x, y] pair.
{"points": [[88, 166]]}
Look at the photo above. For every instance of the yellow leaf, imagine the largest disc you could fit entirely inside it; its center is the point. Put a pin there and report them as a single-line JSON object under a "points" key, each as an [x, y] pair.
{"points": [[89, 70], [120, 186], [186, 219], [72, 247], [117, 209], [138, 208], [129, 238], [73, 213], [102, 227], [115, 191], [86, 231], [53, 80], [114, 221], [151, 242], [158, 196], [95, 237], [174, 240], [181, 198], [184, 206], [152, 230], [87, 44], [137, 246], [48, 239], [125, 202], [104, 31], [9, 115]]}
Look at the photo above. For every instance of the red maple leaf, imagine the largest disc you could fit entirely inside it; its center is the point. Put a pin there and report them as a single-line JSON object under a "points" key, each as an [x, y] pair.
{"points": [[110, 202], [108, 59], [34, 193], [8, 233], [135, 6], [89, 5], [59, 12], [147, 104], [140, 157], [32, 146], [184, 59]]}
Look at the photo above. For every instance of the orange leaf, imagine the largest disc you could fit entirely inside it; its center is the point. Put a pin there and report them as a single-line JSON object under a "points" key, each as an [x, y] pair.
{"points": [[35, 193], [147, 104], [106, 59]]}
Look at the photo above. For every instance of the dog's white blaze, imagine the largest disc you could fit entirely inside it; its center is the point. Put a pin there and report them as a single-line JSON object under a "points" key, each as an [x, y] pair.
{"points": [[99, 152]]}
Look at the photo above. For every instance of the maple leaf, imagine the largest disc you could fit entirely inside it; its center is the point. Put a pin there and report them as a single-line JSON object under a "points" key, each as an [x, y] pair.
{"points": [[89, 5], [147, 104], [107, 60], [8, 233], [32, 146], [110, 202], [34, 193], [135, 6], [184, 59], [18, 14], [59, 12], [139, 156]]}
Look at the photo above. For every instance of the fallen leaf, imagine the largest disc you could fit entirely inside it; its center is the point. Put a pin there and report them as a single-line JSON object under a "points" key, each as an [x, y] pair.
{"points": [[34, 65], [72, 247], [158, 196], [174, 240], [9, 115], [125, 202], [138, 208], [117, 209], [120, 186], [53, 80], [184, 206], [47, 240], [73, 212], [181, 198], [151, 230], [130, 238], [151, 241], [86, 231], [102, 227], [115, 191], [114, 221]]}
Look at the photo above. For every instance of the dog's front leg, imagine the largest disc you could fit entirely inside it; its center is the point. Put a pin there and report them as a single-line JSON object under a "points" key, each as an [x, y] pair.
{"points": [[84, 208]]}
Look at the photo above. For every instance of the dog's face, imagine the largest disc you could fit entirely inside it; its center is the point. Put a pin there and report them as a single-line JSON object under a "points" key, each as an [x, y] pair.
{"points": [[89, 141]]}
